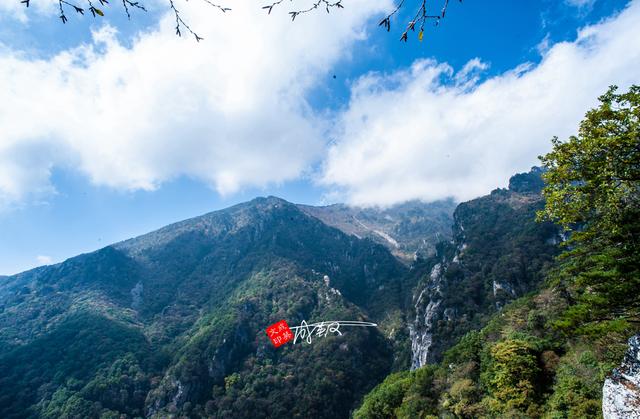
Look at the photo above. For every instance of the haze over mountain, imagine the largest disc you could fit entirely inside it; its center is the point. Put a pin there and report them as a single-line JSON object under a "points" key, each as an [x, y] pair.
{"points": [[408, 230]]}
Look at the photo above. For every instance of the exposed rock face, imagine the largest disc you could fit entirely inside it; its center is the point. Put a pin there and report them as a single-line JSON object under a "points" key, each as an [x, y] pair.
{"points": [[498, 253], [421, 329], [621, 391]]}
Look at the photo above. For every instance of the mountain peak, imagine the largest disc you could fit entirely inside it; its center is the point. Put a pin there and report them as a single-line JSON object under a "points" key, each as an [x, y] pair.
{"points": [[213, 224], [267, 200], [528, 182]]}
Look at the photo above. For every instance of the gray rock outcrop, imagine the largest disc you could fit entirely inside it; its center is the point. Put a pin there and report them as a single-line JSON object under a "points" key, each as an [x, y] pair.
{"points": [[621, 391]]}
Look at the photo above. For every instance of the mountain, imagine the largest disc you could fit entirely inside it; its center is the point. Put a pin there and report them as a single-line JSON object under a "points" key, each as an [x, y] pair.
{"points": [[518, 366], [490, 336], [173, 322], [408, 230], [498, 253]]}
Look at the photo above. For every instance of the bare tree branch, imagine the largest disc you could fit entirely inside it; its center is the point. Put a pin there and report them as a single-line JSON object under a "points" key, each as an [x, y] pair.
{"points": [[217, 6], [180, 22], [127, 3], [420, 18], [327, 5]]}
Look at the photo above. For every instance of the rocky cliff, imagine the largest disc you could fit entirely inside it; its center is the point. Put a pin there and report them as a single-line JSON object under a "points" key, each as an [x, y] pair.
{"points": [[498, 253]]}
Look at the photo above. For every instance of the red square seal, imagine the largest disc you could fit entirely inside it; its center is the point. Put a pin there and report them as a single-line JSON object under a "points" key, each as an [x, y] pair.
{"points": [[279, 333]]}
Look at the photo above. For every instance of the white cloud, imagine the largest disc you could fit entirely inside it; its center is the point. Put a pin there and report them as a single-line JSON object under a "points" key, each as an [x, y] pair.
{"points": [[230, 110], [44, 260], [411, 135], [15, 9]]}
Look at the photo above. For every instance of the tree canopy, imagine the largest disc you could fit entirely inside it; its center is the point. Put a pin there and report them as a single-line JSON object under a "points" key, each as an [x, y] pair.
{"points": [[593, 192]]}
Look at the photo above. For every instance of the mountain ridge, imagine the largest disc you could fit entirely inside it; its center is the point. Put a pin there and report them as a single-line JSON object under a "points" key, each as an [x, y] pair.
{"points": [[200, 293], [410, 230]]}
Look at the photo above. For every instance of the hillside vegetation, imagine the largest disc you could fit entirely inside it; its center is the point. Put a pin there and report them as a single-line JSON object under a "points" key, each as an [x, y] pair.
{"points": [[173, 322], [547, 354]]}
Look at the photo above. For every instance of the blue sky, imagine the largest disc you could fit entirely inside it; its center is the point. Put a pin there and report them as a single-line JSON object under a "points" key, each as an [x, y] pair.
{"points": [[114, 128]]}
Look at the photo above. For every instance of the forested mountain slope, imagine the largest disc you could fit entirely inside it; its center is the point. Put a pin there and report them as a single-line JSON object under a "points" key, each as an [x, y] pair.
{"points": [[498, 253], [173, 322]]}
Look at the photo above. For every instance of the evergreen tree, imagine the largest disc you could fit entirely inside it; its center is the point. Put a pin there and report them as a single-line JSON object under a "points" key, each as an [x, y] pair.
{"points": [[593, 191]]}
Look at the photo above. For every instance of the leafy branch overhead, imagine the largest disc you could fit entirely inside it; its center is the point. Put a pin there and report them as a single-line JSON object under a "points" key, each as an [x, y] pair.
{"points": [[422, 12]]}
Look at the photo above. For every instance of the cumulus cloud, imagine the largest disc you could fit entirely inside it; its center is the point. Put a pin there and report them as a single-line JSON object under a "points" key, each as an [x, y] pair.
{"points": [[230, 111], [428, 132]]}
